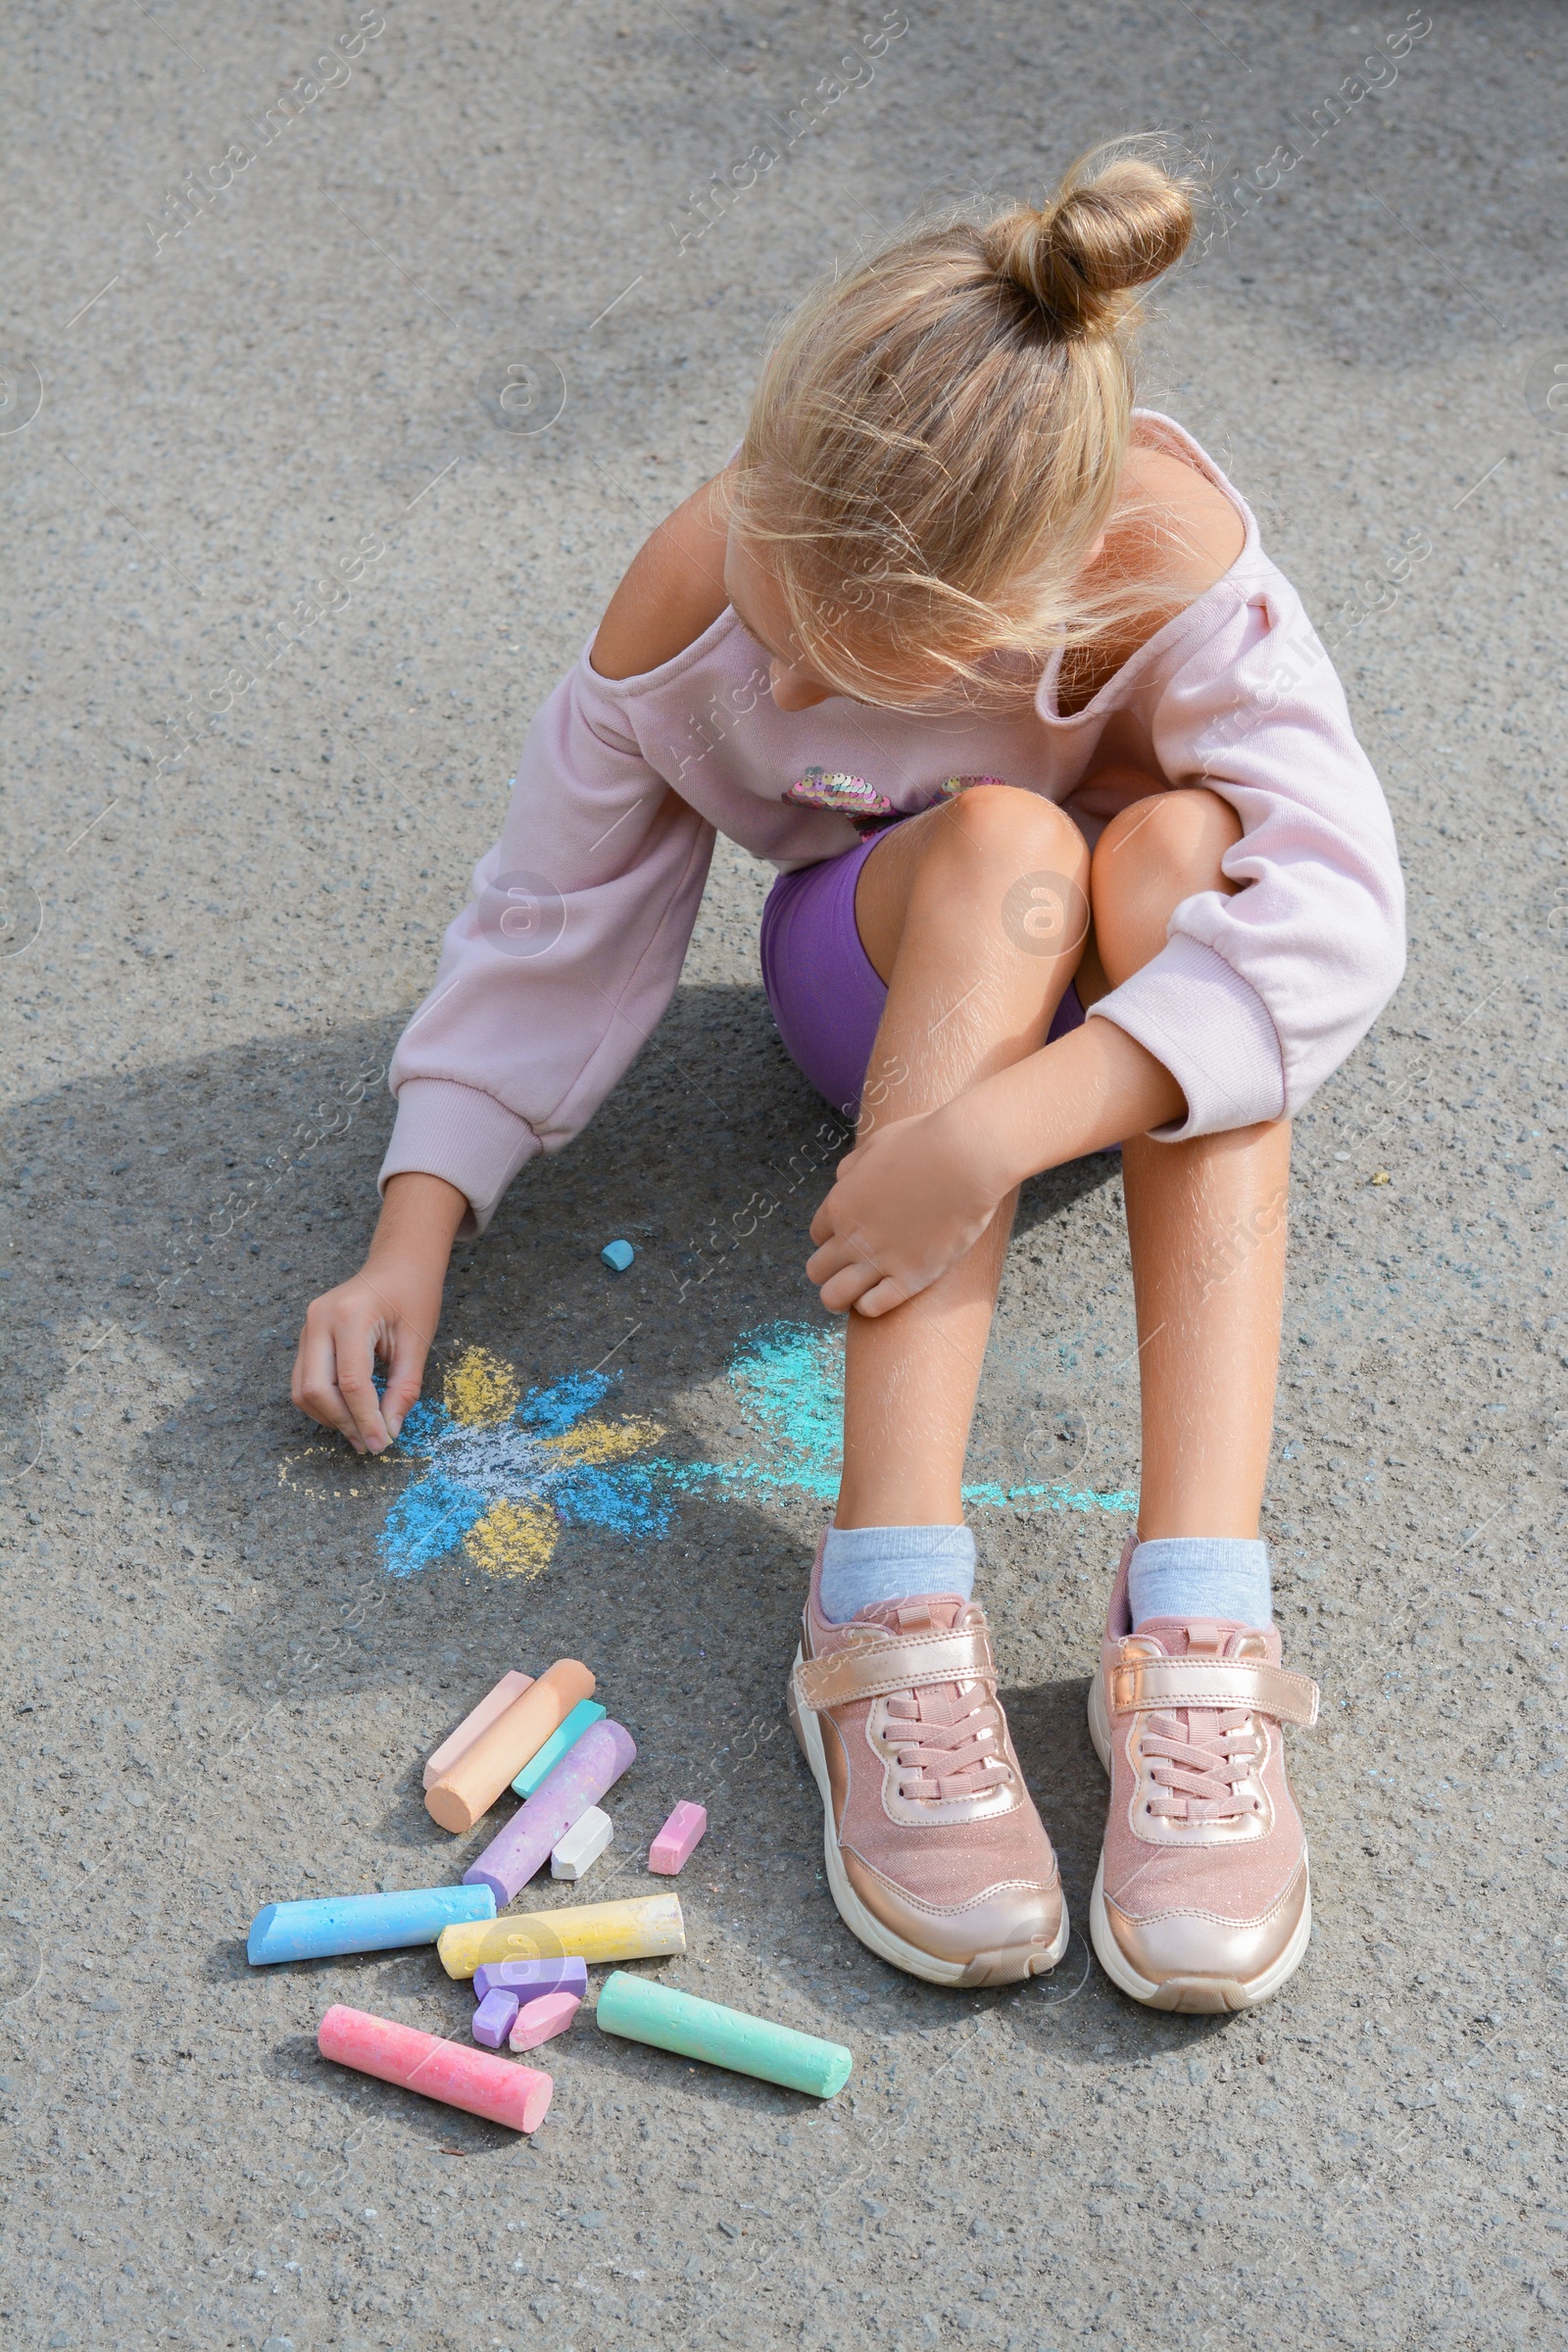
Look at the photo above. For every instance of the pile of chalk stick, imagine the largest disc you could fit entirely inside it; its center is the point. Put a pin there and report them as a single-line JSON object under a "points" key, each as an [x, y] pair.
{"points": [[561, 1752]]}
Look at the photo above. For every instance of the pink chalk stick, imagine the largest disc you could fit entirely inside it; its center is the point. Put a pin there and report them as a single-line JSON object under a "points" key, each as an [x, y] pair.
{"points": [[678, 1841], [517, 2096], [494, 1703], [494, 2018], [543, 2019]]}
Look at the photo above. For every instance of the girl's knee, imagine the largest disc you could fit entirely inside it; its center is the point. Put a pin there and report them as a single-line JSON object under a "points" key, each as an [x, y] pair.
{"points": [[995, 825], [1148, 858], [1182, 832]]}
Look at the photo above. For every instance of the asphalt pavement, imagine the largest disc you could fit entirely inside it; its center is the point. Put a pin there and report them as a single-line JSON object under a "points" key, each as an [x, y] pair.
{"points": [[349, 357]]}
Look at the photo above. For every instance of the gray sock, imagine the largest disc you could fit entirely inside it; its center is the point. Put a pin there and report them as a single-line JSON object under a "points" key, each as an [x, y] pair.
{"points": [[1201, 1576], [865, 1564]]}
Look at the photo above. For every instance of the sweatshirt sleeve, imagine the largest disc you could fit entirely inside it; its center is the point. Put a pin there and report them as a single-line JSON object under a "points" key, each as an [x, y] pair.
{"points": [[1257, 999], [562, 962]]}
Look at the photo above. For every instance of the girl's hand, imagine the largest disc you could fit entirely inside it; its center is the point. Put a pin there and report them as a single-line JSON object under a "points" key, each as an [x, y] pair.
{"points": [[908, 1202], [389, 1311]]}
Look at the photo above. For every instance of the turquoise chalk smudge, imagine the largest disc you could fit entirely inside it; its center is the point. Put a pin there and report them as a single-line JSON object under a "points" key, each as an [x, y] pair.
{"points": [[788, 1380]]}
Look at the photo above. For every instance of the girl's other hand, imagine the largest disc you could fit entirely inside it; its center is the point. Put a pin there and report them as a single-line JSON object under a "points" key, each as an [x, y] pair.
{"points": [[909, 1201], [389, 1311]]}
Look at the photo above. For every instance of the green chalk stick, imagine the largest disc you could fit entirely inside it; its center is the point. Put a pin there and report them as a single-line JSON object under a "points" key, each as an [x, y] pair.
{"points": [[584, 1715], [641, 2011]]}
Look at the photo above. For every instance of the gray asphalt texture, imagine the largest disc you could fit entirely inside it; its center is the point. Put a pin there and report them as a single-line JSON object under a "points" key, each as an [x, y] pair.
{"points": [[217, 1697]]}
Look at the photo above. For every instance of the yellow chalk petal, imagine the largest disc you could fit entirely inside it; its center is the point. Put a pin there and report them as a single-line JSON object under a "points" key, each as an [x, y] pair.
{"points": [[514, 1538], [603, 1440], [481, 1390]]}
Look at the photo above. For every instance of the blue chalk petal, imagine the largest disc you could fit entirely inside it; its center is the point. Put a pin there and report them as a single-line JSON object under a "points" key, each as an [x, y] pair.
{"points": [[627, 1499], [553, 1410], [427, 1521], [423, 1423]]}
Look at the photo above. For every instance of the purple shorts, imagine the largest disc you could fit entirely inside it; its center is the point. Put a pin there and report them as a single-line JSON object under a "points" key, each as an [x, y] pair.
{"points": [[822, 986]]}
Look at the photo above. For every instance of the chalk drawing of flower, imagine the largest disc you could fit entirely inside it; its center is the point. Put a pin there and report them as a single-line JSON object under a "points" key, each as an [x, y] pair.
{"points": [[505, 1471]]}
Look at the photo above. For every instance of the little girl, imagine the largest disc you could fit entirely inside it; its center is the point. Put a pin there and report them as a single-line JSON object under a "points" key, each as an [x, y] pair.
{"points": [[991, 666]]}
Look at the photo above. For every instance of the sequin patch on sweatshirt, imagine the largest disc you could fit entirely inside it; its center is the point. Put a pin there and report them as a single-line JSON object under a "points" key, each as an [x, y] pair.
{"points": [[829, 788]]}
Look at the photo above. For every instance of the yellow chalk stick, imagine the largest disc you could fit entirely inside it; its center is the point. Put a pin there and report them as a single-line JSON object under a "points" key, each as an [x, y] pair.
{"points": [[642, 1928]]}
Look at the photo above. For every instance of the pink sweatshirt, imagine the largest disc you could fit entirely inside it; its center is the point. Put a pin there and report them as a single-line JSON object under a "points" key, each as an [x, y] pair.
{"points": [[558, 968]]}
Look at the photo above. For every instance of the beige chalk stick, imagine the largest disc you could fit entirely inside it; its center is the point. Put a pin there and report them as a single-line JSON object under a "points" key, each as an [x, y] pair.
{"points": [[494, 1703], [640, 1927], [467, 1789]]}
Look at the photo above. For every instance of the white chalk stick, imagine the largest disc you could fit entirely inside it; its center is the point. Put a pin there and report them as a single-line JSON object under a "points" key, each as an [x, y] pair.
{"points": [[582, 1846]]}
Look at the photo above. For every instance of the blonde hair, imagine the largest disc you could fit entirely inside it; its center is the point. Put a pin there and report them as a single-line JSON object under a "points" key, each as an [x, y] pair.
{"points": [[938, 440]]}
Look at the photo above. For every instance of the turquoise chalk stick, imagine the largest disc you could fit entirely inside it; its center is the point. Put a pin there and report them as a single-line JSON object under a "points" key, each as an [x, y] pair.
{"points": [[584, 1715], [362, 1923], [641, 2011]]}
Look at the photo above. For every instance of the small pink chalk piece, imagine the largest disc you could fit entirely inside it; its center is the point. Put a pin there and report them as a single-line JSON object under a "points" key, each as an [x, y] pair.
{"points": [[542, 2020], [494, 2018], [678, 1840]]}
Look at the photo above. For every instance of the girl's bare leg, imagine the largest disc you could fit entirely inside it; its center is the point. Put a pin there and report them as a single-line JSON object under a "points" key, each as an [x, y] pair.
{"points": [[1205, 1219], [1207, 1225], [1216, 1915], [975, 916]]}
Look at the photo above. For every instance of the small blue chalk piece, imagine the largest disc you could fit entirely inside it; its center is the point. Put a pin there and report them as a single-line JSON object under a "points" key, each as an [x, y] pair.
{"points": [[618, 1255]]}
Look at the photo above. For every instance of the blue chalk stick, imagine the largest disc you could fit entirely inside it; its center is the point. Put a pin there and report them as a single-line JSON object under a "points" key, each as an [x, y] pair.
{"points": [[362, 1923], [618, 1255], [584, 1715]]}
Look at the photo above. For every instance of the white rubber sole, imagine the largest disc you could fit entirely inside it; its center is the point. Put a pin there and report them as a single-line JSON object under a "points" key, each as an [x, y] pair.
{"points": [[986, 1967], [1193, 1995]]}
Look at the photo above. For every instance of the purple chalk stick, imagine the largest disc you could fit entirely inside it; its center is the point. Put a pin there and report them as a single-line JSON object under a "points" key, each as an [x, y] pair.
{"points": [[532, 1979], [562, 1796], [494, 2018]]}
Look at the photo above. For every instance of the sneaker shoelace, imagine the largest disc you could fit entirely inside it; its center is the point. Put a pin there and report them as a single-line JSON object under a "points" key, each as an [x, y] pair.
{"points": [[954, 1744], [1198, 1759]]}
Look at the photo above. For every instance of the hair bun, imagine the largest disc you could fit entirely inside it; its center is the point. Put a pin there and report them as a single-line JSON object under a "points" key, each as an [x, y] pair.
{"points": [[1108, 229]]}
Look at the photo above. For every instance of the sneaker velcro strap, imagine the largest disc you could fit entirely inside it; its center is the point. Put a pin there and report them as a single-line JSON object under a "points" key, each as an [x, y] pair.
{"points": [[903, 1662], [1250, 1683]]}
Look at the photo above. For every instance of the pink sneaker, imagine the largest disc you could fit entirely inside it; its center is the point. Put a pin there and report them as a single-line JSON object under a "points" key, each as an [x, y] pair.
{"points": [[1201, 1901], [936, 1856]]}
